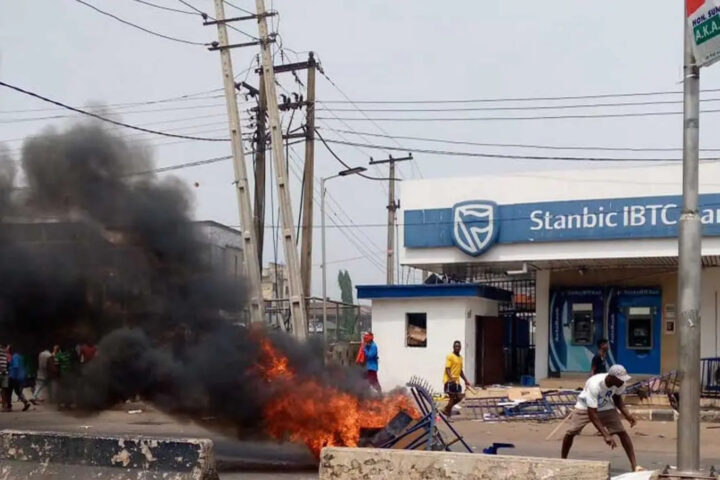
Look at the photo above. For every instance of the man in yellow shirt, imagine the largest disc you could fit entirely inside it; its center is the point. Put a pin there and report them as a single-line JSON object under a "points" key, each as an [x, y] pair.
{"points": [[451, 378]]}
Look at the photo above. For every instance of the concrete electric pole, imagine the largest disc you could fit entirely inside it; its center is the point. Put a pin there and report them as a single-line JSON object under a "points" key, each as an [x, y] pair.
{"points": [[297, 303], [309, 181], [689, 273], [392, 215], [250, 254], [260, 148]]}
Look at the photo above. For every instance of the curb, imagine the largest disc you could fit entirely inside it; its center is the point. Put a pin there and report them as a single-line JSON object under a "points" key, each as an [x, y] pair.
{"points": [[670, 415]]}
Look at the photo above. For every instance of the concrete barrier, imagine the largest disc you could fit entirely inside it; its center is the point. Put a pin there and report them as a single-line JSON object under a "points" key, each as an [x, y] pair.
{"points": [[74, 456], [376, 464]]}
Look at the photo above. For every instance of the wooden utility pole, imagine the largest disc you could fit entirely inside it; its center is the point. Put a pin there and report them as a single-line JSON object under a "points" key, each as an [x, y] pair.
{"points": [[250, 255], [260, 148], [297, 303], [392, 215], [308, 182]]}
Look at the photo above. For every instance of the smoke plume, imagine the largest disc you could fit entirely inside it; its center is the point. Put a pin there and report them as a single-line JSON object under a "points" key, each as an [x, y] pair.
{"points": [[92, 252]]}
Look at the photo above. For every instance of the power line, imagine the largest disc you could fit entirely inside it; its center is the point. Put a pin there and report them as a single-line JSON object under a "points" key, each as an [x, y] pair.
{"points": [[524, 99], [511, 156], [238, 8], [205, 16], [518, 108], [105, 119], [151, 32], [162, 7], [525, 145], [359, 245], [380, 129], [544, 117], [181, 166], [346, 165]]}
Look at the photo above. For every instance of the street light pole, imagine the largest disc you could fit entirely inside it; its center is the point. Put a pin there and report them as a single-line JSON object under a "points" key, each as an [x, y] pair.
{"points": [[344, 173], [689, 273]]}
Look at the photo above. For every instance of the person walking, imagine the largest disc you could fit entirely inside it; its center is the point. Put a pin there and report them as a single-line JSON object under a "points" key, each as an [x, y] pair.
{"points": [[5, 392], [17, 379], [42, 380], [451, 378], [370, 351], [599, 361], [598, 404]]}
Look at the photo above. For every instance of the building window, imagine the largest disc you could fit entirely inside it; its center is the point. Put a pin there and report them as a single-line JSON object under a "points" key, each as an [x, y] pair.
{"points": [[416, 329]]}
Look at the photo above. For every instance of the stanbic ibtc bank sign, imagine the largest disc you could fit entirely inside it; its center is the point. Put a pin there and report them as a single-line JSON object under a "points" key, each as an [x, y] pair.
{"points": [[474, 226]]}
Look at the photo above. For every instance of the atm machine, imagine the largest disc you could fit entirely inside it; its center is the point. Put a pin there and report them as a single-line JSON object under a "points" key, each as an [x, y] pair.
{"points": [[576, 324], [635, 320]]}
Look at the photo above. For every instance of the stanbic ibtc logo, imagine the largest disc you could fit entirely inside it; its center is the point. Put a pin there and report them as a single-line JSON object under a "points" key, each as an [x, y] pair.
{"points": [[475, 226]]}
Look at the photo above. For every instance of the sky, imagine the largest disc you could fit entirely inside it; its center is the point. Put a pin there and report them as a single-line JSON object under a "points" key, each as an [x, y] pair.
{"points": [[403, 50]]}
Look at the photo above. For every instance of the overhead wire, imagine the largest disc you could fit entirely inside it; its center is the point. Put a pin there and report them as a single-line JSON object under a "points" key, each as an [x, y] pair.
{"points": [[337, 204], [380, 129], [138, 27], [162, 7], [520, 107], [524, 99], [108, 120], [523, 145], [338, 222], [515, 118], [515, 156]]}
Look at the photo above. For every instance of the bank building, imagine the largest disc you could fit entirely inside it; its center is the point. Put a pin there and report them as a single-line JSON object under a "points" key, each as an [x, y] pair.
{"points": [[529, 270]]}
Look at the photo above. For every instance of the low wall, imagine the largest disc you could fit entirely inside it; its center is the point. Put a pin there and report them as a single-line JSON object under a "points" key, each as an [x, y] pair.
{"points": [[372, 464], [73, 456]]}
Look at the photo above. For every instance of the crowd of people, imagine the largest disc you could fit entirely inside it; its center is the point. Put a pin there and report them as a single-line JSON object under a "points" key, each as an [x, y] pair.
{"points": [[41, 375]]}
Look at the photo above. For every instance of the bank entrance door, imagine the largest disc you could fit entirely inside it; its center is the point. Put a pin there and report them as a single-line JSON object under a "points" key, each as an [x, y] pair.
{"points": [[489, 354]]}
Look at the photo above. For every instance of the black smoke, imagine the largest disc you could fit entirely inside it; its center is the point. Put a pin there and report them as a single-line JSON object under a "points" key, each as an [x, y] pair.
{"points": [[91, 251]]}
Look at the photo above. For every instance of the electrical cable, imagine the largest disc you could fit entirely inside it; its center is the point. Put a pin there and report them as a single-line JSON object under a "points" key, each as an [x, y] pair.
{"points": [[162, 7], [105, 119], [512, 156], [206, 16], [524, 145], [519, 108], [237, 8], [151, 32], [543, 117], [524, 99], [380, 129], [343, 163], [298, 162]]}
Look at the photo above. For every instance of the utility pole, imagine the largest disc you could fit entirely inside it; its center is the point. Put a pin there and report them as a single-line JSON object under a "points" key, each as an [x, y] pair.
{"points": [[392, 214], [308, 182], [260, 148], [689, 273], [297, 304], [250, 256]]}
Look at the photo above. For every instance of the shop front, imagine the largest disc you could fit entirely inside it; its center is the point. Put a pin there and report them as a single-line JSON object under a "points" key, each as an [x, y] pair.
{"points": [[600, 244]]}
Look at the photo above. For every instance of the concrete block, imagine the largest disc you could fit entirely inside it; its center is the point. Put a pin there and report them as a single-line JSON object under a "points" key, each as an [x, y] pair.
{"points": [[377, 464], [75, 456]]}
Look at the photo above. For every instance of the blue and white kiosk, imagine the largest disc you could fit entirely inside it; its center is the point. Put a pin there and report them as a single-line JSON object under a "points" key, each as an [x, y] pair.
{"points": [[601, 245]]}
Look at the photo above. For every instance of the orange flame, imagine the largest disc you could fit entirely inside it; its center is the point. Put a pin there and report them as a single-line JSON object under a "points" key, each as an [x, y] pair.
{"points": [[320, 415]]}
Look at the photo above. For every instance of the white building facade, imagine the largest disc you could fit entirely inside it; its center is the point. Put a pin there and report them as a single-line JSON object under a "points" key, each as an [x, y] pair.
{"points": [[601, 245]]}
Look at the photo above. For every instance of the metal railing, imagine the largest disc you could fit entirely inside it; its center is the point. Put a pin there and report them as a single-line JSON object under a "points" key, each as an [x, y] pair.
{"points": [[345, 322]]}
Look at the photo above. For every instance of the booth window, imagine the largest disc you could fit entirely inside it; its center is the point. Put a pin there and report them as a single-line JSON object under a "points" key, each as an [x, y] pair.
{"points": [[416, 329], [582, 324], [639, 328]]}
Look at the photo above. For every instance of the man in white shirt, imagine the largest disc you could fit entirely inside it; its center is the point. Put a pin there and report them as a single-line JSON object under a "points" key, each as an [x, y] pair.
{"points": [[598, 404]]}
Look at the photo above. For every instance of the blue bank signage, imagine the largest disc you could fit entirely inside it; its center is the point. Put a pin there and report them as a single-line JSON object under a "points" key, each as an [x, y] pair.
{"points": [[475, 226]]}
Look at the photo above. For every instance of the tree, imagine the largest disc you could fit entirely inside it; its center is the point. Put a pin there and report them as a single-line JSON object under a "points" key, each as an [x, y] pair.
{"points": [[347, 318]]}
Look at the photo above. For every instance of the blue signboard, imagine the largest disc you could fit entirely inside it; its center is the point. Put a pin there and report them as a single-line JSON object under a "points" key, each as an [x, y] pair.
{"points": [[474, 226]]}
